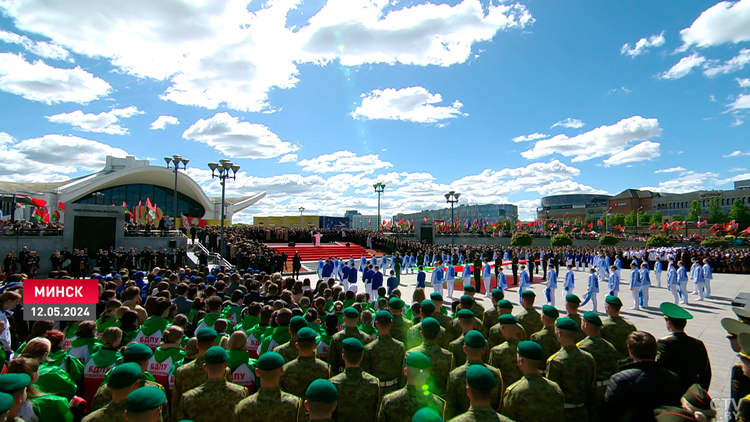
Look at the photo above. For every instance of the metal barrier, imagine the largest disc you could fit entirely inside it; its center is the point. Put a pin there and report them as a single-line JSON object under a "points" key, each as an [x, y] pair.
{"points": [[14, 231], [213, 257], [154, 233]]}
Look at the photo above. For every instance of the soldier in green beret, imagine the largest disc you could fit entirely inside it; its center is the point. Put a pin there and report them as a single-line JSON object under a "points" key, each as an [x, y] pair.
{"points": [[573, 370], [306, 368], [145, 404], [615, 329], [444, 320], [440, 358], [384, 357], [426, 414], [533, 398], [546, 337], [605, 356], [213, 400], [456, 399], [14, 385], [414, 336], [351, 321], [269, 403], [289, 349], [466, 303], [496, 338], [697, 405], [490, 316], [529, 318], [481, 387], [191, 375], [740, 384], [400, 325], [6, 403], [360, 391], [401, 405], [123, 380], [322, 400], [466, 320], [572, 303], [478, 309], [684, 355], [504, 356]]}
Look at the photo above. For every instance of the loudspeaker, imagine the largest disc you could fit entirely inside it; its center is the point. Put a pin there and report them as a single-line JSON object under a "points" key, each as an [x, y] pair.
{"points": [[292, 244], [172, 243]]}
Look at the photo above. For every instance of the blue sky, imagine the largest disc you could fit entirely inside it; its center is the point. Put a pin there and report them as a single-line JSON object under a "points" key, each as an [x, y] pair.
{"points": [[317, 100]]}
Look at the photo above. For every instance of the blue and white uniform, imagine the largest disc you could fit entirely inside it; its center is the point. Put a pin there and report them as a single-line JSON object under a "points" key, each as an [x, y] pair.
{"points": [[672, 283], [551, 286], [645, 286], [487, 277], [450, 278], [569, 284], [523, 283], [698, 280], [682, 280], [708, 275], [466, 274], [657, 273], [437, 280], [614, 283], [635, 288], [593, 290]]}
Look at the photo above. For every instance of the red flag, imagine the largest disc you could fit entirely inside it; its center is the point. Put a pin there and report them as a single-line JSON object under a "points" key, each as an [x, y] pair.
{"points": [[746, 231], [591, 225], [45, 215], [61, 206], [599, 223], [702, 223], [198, 222], [651, 227], [149, 205], [729, 226]]}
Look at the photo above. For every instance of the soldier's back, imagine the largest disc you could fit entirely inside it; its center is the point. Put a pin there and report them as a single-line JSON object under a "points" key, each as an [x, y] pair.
{"points": [[489, 321], [457, 352], [505, 358], [288, 350], [401, 405], [605, 356], [497, 338], [573, 370], [534, 398], [211, 401], [359, 396], [384, 359], [270, 404], [530, 320], [414, 336], [335, 350], [400, 327], [456, 399], [480, 414], [548, 340], [616, 330], [300, 373], [441, 364], [112, 412], [187, 377], [578, 335]]}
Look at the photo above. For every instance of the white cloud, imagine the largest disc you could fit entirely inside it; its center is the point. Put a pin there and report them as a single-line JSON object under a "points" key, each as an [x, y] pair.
{"points": [[564, 187], [103, 122], [734, 64], [415, 104], [344, 162], [604, 141], [40, 82], [643, 45], [688, 181], [736, 169], [532, 137], [527, 208], [238, 139], [40, 48], [670, 170], [288, 158], [570, 123], [723, 22], [744, 83], [684, 66], [737, 153], [742, 102], [162, 121], [712, 98]]}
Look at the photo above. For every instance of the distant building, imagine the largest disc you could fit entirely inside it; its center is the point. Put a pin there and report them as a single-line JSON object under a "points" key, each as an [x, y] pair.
{"points": [[742, 184], [632, 200], [492, 212], [671, 204], [363, 222], [572, 206]]}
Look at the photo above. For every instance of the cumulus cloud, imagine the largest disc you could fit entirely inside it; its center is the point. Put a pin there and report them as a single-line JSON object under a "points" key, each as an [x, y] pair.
{"points": [[414, 104], [40, 48], [570, 123], [103, 122], [564, 187], [643, 45], [605, 141], [344, 162], [684, 66], [532, 137], [744, 83], [238, 139], [162, 121], [40, 82], [742, 102], [724, 22], [734, 64], [288, 158], [670, 170], [736, 169], [737, 153], [688, 181]]}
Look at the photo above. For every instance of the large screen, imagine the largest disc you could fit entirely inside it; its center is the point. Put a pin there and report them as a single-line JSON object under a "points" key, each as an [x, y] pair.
{"points": [[94, 233]]}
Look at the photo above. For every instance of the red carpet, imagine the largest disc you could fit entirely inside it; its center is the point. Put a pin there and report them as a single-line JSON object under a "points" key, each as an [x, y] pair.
{"points": [[312, 253]]}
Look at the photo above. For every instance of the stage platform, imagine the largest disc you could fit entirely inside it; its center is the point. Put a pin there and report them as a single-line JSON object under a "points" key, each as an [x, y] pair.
{"points": [[313, 253]]}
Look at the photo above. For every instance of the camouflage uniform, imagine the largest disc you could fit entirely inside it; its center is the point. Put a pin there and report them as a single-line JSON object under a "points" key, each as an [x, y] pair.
{"points": [[400, 327], [616, 330], [578, 335], [414, 336], [211, 402], [456, 400], [444, 320], [457, 352], [270, 404], [548, 340], [103, 396], [288, 350], [112, 412], [480, 414], [384, 359], [479, 311], [534, 399], [605, 356], [455, 331], [187, 377], [335, 349], [441, 364], [574, 371], [497, 338], [359, 396], [489, 321], [530, 320], [504, 358], [401, 405], [299, 373]]}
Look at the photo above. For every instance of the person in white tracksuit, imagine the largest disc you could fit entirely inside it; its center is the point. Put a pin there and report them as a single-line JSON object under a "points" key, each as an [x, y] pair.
{"points": [[450, 278], [437, 280], [672, 283], [645, 283], [635, 286], [682, 280], [551, 286], [614, 281], [657, 273], [708, 275], [487, 277], [570, 282]]}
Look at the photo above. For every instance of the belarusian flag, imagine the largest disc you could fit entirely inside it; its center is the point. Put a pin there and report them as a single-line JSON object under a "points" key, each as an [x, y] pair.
{"points": [[56, 216]]}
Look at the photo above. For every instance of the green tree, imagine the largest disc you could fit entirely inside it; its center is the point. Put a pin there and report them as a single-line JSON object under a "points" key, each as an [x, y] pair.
{"points": [[678, 217], [631, 219], [589, 219], [695, 211], [609, 240], [659, 241], [561, 240], [645, 218], [617, 220], [521, 239], [740, 214], [657, 217], [715, 213], [715, 242]]}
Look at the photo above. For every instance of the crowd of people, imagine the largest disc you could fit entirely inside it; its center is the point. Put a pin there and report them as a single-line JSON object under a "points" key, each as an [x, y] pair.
{"points": [[30, 228]]}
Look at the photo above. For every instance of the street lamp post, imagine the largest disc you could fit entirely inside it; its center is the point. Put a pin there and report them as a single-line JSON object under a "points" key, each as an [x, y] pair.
{"points": [[96, 196], [177, 160], [223, 167], [638, 219], [379, 189], [606, 220], [452, 198], [301, 209]]}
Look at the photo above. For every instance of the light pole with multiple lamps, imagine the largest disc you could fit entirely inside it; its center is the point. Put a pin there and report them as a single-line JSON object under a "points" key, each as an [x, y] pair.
{"points": [[606, 220], [379, 188], [452, 198], [177, 160], [301, 209], [223, 167], [96, 196]]}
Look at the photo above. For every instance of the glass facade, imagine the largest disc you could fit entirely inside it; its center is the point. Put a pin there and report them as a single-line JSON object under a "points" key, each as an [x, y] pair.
{"points": [[132, 194], [580, 199]]}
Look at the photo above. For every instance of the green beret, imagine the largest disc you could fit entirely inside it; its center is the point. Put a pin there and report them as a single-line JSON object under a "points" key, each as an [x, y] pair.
{"points": [[136, 352], [144, 399], [428, 306], [531, 350], [124, 375], [670, 310], [507, 319], [436, 296], [418, 360], [505, 304], [550, 311], [470, 288], [528, 293], [481, 378], [498, 294], [297, 322], [475, 340], [206, 334], [697, 397], [466, 299], [571, 298], [10, 383], [396, 303], [734, 327], [430, 325], [465, 313], [351, 312], [322, 390], [6, 402], [270, 361], [353, 345], [306, 334], [426, 414], [383, 316], [613, 300], [566, 324], [592, 318], [216, 354]]}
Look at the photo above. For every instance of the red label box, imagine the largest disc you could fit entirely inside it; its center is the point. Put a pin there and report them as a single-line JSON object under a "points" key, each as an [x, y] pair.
{"points": [[72, 291]]}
